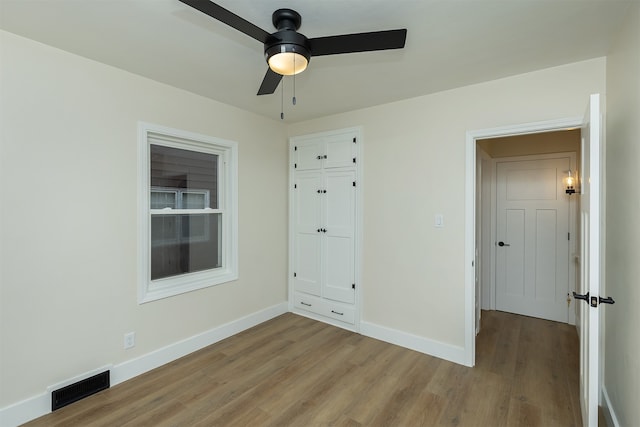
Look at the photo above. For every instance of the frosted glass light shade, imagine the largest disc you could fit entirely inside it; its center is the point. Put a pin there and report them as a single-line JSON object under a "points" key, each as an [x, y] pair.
{"points": [[288, 63]]}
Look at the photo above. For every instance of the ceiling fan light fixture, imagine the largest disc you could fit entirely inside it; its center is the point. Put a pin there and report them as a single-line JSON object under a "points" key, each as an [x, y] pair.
{"points": [[287, 51], [287, 59]]}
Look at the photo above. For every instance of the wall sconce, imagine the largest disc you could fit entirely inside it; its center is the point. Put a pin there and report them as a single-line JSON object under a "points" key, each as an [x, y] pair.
{"points": [[570, 184]]}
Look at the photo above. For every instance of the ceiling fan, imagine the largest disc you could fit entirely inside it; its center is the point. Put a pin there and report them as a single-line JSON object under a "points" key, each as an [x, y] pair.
{"points": [[288, 52]]}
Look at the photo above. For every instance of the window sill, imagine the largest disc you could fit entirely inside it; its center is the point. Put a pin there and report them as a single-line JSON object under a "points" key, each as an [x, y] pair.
{"points": [[172, 286]]}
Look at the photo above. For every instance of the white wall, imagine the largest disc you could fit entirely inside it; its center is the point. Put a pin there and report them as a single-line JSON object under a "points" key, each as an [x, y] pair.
{"points": [[622, 282], [68, 216], [414, 167]]}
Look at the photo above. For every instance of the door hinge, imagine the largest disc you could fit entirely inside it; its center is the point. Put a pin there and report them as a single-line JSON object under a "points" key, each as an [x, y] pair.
{"points": [[295, 148], [354, 140], [294, 274], [295, 185], [354, 160], [354, 183], [353, 286], [295, 165]]}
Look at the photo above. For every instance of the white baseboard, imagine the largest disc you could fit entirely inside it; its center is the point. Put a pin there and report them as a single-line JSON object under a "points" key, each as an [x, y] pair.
{"points": [[36, 406], [607, 408], [438, 349]]}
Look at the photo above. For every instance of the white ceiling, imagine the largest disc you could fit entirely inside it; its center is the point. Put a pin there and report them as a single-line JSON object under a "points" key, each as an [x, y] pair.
{"points": [[450, 43]]}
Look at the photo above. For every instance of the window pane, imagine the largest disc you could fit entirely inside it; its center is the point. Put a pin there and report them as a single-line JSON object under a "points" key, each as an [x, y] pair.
{"points": [[195, 248], [163, 199], [194, 228], [185, 170], [164, 230], [194, 201]]}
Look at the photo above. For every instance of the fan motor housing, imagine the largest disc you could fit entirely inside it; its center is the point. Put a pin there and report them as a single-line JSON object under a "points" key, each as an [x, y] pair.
{"points": [[287, 41]]}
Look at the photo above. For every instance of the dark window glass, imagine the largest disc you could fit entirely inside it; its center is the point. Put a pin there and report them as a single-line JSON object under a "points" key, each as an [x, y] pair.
{"points": [[180, 243]]}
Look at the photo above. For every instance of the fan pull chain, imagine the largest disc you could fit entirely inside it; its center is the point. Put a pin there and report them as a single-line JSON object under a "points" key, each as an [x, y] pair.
{"points": [[294, 80], [282, 101]]}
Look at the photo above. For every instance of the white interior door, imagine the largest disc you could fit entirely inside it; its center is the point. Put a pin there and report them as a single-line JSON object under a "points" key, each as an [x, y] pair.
{"points": [[307, 235], [479, 240], [339, 239], [532, 257], [590, 256]]}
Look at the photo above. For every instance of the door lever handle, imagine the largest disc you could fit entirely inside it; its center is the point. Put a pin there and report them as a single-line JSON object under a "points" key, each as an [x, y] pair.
{"points": [[584, 297], [503, 244], [593, 301]]}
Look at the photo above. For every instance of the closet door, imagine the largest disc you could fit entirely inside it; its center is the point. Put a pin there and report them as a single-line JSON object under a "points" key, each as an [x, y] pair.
{"points": [[307, 232], [338, 247], [339, 150], [309, 155]]}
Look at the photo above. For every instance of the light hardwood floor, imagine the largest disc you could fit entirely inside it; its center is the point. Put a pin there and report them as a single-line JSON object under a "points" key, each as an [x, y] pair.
{"points": [[293, 371]]}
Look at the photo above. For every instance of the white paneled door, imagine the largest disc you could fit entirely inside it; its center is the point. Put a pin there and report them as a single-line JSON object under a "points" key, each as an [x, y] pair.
{"points": [[589, 312], [308, 240], [339, 242], [532, 253], [325, 234]]}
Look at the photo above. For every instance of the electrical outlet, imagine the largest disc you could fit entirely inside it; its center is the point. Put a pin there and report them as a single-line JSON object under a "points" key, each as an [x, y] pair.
{"points": [[129, 340]]}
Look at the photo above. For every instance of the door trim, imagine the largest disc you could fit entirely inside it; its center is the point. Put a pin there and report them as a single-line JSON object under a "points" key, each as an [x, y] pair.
{"points": [[470, 212]]}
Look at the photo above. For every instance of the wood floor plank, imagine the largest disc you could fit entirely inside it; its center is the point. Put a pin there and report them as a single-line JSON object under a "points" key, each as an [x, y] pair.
{"points": [[426, 410], [407, 393], [358, 381], [294, 371], [310, 399], [523, 414]]}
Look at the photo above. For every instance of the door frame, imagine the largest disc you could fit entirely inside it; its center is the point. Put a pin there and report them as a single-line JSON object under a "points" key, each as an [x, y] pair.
{"points": [[470, 212]]}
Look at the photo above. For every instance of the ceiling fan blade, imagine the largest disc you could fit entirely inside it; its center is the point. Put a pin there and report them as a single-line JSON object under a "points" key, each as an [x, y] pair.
{"points": [[229, 18], [360, 42], [269, 83]]}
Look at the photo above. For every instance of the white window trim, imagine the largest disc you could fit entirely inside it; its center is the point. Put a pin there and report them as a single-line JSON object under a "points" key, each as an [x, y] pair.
{"points": [[151, 290]]}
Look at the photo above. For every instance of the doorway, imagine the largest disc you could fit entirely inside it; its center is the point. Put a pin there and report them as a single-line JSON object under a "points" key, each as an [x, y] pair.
{"points": [[591, 236], [526, 224], [478, 244]]}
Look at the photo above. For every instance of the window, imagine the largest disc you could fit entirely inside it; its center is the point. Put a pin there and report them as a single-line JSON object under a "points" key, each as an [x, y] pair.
{"points": [[168, 229], [187, 212]]}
